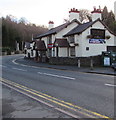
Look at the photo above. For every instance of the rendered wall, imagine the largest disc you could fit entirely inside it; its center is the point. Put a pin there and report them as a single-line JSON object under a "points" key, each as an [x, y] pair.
{"points": [[95, 49]]}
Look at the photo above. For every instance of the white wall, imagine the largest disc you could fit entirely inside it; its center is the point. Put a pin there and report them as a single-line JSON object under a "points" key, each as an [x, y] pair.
{"points": [[95, 49], [73, 15], [30, 52], [95, 16], [66, 30], [63, 52], [114, 40], [78, 49]]}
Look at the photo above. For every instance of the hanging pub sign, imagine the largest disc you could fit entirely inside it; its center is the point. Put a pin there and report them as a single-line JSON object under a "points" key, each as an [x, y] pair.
{"points": [[50, 45], [96, 41]]}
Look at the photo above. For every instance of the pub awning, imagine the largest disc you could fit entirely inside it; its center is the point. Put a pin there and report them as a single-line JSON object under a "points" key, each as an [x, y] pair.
{"points": [[40, 45], [61, 42]]}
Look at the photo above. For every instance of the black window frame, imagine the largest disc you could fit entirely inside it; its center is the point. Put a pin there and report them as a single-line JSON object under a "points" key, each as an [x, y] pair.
{"points": [[71, 39], [98, 33], [72, 51], [50, 39]]}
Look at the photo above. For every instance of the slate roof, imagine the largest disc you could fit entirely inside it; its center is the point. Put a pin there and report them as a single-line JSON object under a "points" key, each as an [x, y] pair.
{"points": [[82, 27], [56, 29], [40, 45], [62, 42]]}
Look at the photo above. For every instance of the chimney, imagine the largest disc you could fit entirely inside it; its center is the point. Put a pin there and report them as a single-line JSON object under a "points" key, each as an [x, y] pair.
{"points": [[96, 13], [74, 14], [51, 25]]}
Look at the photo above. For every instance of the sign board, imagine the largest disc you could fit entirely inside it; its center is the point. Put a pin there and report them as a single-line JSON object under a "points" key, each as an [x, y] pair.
{"points": [[106, 61], [50, 45], [96, 41]]}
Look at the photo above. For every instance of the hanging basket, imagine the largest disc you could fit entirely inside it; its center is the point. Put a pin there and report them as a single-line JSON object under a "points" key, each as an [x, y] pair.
{"points": [[76, 44], [89, 36], [108, 37]]}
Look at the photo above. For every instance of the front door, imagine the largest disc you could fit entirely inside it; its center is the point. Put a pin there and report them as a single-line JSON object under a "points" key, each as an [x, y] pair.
{"points": [[56, 51]]}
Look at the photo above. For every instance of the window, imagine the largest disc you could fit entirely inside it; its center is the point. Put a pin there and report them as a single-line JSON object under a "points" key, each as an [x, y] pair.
{"points": [[87, 48], [49, 39], [72, 51], [71, 39], [31, 52], [98, 33], [49, 52]]}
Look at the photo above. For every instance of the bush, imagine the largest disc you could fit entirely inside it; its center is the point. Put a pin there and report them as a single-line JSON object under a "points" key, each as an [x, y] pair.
{"points": [[7, 49]]}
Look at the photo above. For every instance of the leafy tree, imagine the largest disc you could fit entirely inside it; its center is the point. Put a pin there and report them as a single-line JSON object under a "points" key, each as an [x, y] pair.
{"points": [[18, 31]]}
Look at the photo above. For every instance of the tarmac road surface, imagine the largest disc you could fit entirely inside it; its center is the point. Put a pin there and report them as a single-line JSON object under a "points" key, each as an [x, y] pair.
{"points": [[82, 94]]}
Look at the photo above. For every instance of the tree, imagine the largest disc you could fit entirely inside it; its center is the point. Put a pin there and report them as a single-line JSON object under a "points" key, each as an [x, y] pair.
{"points": [[18, 31], [105, 14], [110, 21], [85, 15]]}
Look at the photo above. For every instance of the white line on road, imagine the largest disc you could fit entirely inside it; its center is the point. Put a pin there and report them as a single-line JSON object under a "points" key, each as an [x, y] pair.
{"points": [[110, 85], [19, 69], [53, 75], [2, 66]]}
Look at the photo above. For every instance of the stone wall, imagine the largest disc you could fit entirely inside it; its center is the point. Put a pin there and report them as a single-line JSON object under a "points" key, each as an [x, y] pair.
{"points": [[83, 61]]}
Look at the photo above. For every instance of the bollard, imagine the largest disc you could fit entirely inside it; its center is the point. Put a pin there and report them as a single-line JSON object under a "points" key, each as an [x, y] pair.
{"points": [[79, 63], [91, 63]]}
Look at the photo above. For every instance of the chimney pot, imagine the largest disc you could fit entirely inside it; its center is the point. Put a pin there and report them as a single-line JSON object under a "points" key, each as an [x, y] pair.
{"points": [[51, 24], [96, 13], [74, 14]]}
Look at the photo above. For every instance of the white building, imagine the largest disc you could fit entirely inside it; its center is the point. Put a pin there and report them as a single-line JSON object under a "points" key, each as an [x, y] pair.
{"points": [[74, 39], [29, 49]]}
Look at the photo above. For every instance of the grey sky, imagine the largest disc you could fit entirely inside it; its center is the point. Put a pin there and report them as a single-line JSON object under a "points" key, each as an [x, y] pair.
{"points": [[41, 11]]}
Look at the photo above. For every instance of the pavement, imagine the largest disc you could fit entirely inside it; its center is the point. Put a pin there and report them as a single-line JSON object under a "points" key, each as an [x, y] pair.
{"points": [[96, 70], [17, 105]]}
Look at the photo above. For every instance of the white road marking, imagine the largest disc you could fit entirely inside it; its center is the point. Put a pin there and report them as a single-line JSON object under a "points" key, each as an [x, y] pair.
{"points": [[53, 75], [2, 66], [16, 62], [19, 69], [40, 73], [111, 85]]}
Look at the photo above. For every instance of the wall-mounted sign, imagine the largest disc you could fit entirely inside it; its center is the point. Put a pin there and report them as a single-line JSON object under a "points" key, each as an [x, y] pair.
{"points": [[106, 61], [96, 41], [50, 45]]}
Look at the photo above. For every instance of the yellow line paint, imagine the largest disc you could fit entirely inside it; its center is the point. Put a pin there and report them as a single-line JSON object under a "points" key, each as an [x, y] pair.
{"points": [[43, 96]]}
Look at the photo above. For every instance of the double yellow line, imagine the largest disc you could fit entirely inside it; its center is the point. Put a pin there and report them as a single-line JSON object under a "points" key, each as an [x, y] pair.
{"points": [[62, 103]]}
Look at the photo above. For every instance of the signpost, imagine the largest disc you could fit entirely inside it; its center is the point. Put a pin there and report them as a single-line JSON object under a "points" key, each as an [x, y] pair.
{"points": [[50, 45]]}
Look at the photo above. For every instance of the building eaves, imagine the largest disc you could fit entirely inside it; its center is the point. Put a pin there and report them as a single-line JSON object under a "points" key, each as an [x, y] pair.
{"points": [[79, 29], [82, 27], [56, 29]]}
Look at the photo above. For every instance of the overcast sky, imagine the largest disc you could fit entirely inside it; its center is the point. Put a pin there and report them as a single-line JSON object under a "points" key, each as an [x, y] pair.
{"points": [[41, 11]]}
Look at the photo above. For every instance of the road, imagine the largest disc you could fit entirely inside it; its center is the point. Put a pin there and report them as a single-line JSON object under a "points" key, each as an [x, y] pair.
{"points": [[80, 94]]}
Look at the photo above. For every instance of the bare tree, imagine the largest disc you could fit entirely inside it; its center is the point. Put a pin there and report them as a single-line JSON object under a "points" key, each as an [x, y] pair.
{"points": [[85, 15]]}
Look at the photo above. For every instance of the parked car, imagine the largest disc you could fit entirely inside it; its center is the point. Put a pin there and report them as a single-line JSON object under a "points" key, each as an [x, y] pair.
{"points": [[114, 66]]}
